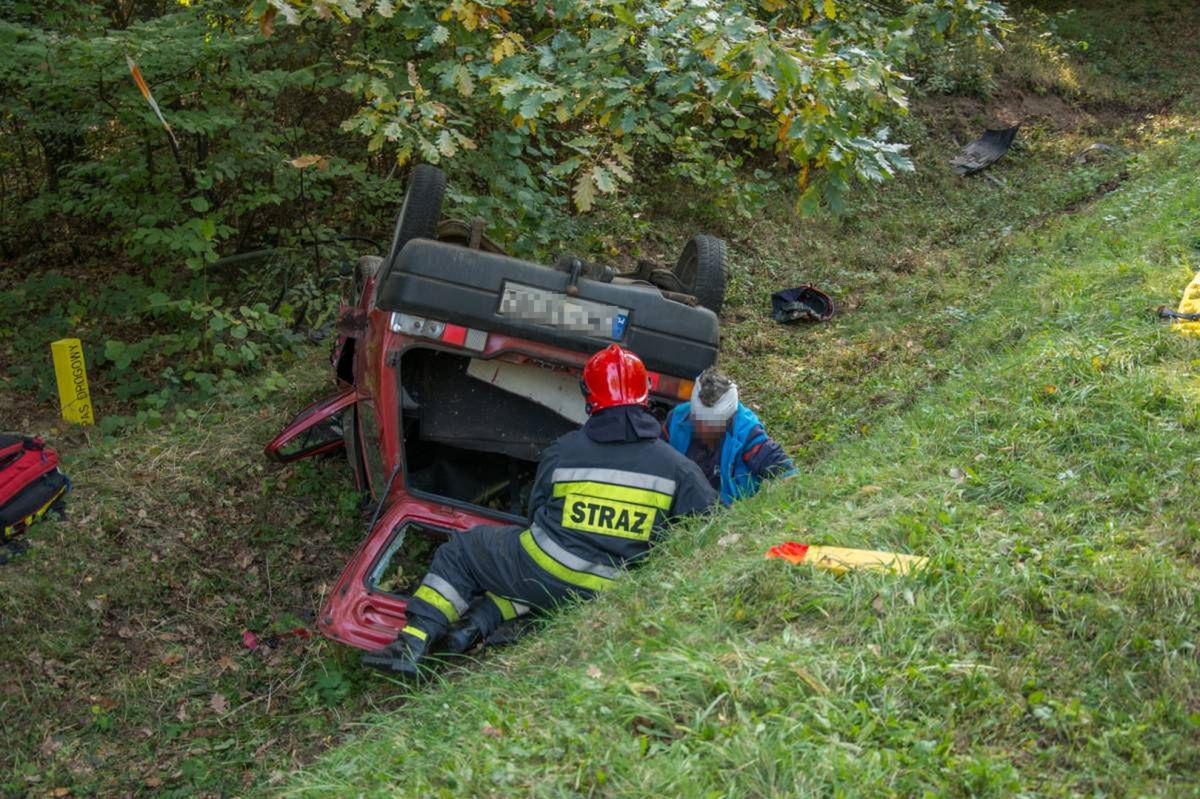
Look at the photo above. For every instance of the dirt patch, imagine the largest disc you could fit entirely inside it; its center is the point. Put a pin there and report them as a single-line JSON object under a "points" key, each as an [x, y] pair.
{"points": [[967, 116]]}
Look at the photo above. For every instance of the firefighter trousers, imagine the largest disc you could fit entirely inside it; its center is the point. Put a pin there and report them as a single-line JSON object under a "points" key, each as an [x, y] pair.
{"points": [[494, 574]]}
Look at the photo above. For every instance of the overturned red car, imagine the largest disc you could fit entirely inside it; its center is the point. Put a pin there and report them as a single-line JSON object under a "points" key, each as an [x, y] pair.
{"points": [[456, 365]]}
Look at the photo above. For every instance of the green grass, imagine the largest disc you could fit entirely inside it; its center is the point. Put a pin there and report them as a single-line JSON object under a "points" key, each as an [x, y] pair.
{"points": [[123, 663], [1050, 647]]}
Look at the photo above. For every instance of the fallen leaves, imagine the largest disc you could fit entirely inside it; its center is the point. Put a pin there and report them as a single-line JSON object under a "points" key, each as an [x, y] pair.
{"points": [[266, 23], [219, 704], [321, 162]]}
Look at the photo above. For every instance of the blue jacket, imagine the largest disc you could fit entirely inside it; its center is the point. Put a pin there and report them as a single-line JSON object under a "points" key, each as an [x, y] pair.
{"points": [[748, 455]]}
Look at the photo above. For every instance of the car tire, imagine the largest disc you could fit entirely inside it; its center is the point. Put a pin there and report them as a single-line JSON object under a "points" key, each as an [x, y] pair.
{"points": [[701, 270], [420, 212], [366, 268]]}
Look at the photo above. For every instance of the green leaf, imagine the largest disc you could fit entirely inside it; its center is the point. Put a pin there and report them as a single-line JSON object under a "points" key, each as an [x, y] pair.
{"points": [[810, 201], [624, 15], [199, 205], [604, 180], [764, 86], [585, 192]]}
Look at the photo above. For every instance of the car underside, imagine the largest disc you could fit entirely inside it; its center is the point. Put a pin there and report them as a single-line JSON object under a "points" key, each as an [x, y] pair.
{"points": [[457, 366]]}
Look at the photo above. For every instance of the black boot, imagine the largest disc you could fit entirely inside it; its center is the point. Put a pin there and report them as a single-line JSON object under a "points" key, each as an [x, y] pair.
{"points": [[463, 637], [404, 656]]}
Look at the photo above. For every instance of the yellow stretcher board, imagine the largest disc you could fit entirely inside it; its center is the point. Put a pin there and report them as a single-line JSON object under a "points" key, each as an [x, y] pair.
{"points": [[841, 560], [71, 374], [1189, 304]]}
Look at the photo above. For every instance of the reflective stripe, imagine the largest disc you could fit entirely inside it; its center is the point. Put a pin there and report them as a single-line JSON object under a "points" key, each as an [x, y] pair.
{"points": [[569, 559], [509, 610], [563, 565], [443, 587], [638, 496], [415, 632], [439, 602], [649, 482]]}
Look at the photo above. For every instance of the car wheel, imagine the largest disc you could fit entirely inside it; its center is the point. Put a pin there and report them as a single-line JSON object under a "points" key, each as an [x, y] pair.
{"points": [[420, 212], [366, 268], [701, 270]]}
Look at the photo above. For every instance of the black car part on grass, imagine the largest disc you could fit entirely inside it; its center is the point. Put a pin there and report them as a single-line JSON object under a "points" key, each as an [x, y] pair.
{"points": [[802, 304], [984, 151]]}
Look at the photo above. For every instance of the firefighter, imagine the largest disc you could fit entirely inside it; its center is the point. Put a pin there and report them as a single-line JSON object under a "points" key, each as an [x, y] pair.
{"points": [[725, 439], [602, 497]]}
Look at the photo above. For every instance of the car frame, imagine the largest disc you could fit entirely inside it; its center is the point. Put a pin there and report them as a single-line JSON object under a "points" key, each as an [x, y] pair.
{"points": [[515, 347]]}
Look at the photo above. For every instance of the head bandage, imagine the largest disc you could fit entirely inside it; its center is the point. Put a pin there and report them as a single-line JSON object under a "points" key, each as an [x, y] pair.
{"points": [[720, 411]]}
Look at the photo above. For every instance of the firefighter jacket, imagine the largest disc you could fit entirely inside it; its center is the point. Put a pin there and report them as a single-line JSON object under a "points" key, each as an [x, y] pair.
{"points": [[604, 494]]}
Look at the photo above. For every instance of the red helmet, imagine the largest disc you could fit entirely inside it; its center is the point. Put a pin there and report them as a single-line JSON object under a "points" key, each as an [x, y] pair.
{"points": [[615, 377]]}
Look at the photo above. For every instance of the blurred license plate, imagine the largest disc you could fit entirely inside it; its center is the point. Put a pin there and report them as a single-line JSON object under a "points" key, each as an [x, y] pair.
{"points": [[555, 309]]}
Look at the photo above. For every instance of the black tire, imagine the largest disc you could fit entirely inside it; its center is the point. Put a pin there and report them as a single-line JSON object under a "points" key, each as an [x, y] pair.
{"points": [[701, 270], [419, 215], [366, 268]]}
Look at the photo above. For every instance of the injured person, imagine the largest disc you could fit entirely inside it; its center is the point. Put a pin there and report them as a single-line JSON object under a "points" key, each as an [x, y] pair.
{"points": [[603, 495], [725, 439]]}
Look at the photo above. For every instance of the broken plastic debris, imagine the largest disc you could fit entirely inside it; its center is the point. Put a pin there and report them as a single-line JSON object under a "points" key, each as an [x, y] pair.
{"points": [[841, 560], [984, 151]]}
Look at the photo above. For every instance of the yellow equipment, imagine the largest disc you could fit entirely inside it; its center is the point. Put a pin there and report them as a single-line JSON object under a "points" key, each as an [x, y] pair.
{"points": [[841, 560], [1189, 304]]}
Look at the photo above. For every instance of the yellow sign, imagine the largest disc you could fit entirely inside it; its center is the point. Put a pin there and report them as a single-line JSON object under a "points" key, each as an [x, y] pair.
{"points": [[71, 374], [608, 517]]}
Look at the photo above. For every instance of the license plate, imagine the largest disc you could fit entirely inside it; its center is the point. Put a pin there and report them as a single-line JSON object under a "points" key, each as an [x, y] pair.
{"points": [[557, 310]]}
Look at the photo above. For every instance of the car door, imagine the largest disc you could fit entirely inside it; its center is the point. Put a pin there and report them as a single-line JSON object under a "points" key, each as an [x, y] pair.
{"points": [[367, 607], [315, 430]]}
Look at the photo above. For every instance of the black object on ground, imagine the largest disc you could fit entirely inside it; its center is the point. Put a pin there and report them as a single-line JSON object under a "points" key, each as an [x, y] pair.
{"points": [[984, 151], [801, 304], [1165, 312]]}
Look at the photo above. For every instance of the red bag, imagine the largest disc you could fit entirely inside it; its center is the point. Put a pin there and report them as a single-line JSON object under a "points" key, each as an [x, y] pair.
{"points": [[30, 484]]}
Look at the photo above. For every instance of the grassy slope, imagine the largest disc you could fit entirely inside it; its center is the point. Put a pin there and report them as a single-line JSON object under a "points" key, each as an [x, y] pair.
{"points": [[119, 629], [998, 399], [1050, 647]]}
